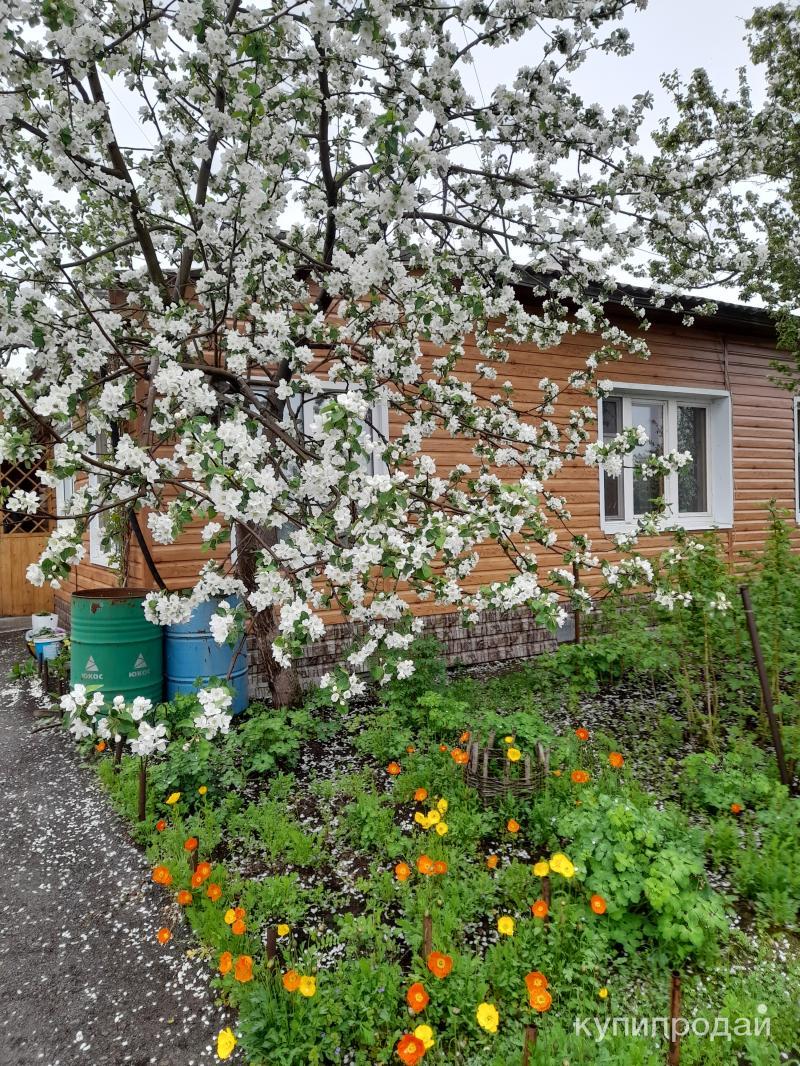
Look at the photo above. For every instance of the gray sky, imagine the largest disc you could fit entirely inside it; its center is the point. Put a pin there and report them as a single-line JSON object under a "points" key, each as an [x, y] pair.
{"points": [[668, 35]]}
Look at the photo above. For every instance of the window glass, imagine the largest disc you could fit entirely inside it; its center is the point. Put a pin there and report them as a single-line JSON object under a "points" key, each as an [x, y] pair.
{"points": [[646, 490], [612, 486], [693, 478]]}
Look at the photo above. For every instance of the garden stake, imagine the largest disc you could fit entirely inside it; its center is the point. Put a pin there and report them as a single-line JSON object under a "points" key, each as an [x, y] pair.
{"points": [[766, 693], [674, 1056], [531, 1034], [272, 945], [427, 936], [142, 790]]}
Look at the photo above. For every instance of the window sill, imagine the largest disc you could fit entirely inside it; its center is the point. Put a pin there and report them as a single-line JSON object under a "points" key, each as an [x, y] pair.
{"points": [[693, 523]]}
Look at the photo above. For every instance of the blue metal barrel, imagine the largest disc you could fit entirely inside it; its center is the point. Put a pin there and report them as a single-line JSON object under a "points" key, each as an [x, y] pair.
{"points": [[192, 656]]}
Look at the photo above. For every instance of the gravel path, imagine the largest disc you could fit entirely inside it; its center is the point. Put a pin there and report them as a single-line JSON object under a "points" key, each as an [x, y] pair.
{"points": [[83, 981]]}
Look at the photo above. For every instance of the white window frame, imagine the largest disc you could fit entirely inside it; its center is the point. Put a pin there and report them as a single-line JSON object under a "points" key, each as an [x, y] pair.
{"points": [[97, 554], [379, 420], [65, 490], [719, 453]]}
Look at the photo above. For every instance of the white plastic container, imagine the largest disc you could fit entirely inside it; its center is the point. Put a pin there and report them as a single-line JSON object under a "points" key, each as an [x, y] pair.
{"points": [[44, 621]]}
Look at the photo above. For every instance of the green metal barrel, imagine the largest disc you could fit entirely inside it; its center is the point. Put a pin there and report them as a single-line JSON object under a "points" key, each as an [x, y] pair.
{"points": [[114, 648]]}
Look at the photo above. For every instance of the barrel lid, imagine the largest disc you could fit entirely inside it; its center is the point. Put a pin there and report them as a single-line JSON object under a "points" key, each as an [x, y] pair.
{"points": [[110, 594]]}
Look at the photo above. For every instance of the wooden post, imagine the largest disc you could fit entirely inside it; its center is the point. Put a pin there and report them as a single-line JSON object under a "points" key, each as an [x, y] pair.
{"points": [[272, 945], [427, 936], [142, 790], [766, 692], [531, 1035], [118, 746], [674, 1055]]}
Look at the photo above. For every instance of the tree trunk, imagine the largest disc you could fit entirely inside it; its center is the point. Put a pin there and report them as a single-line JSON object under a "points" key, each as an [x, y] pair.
{"points": [[283, 682]]}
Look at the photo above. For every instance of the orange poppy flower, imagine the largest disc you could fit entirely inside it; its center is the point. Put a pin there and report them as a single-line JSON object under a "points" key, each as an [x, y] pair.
{"points": [[225, 962], [582, 734], [203, 869], [164, 936], [394, 768], [184, 898], [421, 795], [541, 1000], [442, 747], [459, 756], [540, 909], [190, 844], [410, 749], [512, 825], [425, 865], [536, 982], [616, 760], [162, 876], [213, 892], [440, 867], [243, 969], [464, 738], [492, 862], [402, 871], [100, 745], [410, 1049], [161, 825], [291, 980], [238, 927], [598, 904], [417, 998], [580, 777], [736, 808], [197, 880], [239, 912], [440, 965]]}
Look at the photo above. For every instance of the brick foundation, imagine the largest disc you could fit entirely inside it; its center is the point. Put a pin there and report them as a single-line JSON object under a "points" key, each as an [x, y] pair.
{"points": [[499, 637]]}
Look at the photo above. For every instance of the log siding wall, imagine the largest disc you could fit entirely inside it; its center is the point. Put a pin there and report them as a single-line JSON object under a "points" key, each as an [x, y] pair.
{"points": [[704, 356]]}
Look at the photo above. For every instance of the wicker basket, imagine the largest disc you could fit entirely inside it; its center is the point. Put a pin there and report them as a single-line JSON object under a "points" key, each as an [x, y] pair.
{"points": [[489, 771]]}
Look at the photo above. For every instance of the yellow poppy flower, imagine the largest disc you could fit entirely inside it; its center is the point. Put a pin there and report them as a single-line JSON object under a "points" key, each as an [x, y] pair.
{"points": [[562, 865], [434, 817], [283, 929], [202, 790], [442, 828], [505, 925], [425, 1034], [421, 819], [508, 740], [603, 993], [226, 1042], [442, 806], [488, 1018], [513, 754], [542, 869], [172, 799], [230, 916], [307, 987]]}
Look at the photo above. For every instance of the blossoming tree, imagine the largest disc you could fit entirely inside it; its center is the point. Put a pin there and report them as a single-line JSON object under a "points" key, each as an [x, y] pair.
{"points": [[232, 232]]}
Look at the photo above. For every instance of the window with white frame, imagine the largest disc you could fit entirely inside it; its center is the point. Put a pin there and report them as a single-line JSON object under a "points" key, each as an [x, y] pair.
{"points": [[700, 494], [98, 554]]}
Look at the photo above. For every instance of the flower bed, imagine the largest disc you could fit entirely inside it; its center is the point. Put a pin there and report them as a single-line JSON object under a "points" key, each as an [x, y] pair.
{"points": [[360, 904]]}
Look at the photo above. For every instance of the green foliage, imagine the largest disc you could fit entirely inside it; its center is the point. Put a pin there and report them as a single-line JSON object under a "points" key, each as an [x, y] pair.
{"points": [[647, 864]]}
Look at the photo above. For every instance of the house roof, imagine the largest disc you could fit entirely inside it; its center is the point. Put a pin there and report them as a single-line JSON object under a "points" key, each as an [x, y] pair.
{"points": [[728, 315]]}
